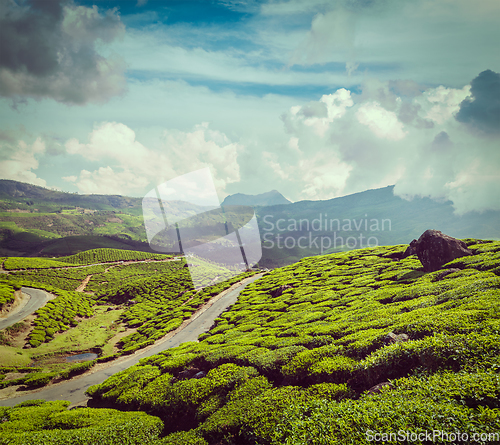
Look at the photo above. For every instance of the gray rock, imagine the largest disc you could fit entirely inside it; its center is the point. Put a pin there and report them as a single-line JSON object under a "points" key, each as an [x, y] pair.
{"points": [[391, 338], [378, 387], [279, 291], [434, 249], [188, 373]]}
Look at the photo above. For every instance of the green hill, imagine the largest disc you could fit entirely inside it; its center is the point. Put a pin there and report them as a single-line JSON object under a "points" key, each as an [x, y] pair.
{"points": [[38, 222], [297, 358], [352, 347], [264, 199]]}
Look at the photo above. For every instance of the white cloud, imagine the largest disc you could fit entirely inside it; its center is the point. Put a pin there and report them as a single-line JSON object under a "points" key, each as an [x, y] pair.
{"points": [[367, 146], [475, 188], [323, 177], [17, 161], [203, 147], [383, 123], [110, 140], [442, 103], [131, 165], [330, 39], [105, 181], [271, 160], [424, 40], [319, 115]]}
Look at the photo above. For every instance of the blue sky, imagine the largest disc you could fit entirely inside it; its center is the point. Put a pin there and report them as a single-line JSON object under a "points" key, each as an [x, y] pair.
{"points": [[316, 99]]}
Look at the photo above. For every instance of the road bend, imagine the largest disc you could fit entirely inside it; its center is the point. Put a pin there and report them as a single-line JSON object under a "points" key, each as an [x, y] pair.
{"points": [[74, 390]]}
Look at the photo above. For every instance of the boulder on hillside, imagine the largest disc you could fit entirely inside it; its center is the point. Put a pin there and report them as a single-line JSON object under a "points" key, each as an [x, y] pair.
{"points": [[391, 338], [279, 291], [378, 388], [434, 249], [410, 250]]}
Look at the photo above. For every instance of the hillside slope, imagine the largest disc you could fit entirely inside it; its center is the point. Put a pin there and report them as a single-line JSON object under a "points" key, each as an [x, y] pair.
{"points": [[296, 359], [40, 222]]}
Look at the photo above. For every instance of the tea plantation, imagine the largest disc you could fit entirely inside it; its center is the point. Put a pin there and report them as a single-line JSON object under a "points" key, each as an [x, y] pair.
{"points": [[126, 306], [335, 349]]}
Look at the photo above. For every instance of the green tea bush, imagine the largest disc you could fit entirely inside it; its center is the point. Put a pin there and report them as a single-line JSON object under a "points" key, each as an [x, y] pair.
{"points": [[6, 294], [107, 255], [58, 315], [49, 423], [416, 405]]}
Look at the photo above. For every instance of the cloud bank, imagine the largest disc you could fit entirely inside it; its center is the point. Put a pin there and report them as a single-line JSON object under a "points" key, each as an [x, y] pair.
{"points": [[49, 50], [131, 167]]}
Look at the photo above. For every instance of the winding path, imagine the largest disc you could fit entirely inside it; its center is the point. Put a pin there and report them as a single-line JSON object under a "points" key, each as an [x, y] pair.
{"points": [[201, 321], [38, 298]]}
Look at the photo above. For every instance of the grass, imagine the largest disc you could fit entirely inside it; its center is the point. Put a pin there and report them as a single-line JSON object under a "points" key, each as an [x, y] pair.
{"points": [[14, 356], [87, 335]]}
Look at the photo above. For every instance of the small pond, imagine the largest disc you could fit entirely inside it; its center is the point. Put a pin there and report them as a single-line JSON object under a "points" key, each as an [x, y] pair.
{"points": [[81, 357]]}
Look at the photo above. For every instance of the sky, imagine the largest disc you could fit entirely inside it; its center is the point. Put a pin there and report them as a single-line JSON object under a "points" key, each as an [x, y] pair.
{"points": [[316, 99]]}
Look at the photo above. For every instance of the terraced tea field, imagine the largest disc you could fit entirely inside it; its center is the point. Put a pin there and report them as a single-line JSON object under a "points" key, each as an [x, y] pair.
{"points": [[293, 360], [127, 301], [353, 347]]}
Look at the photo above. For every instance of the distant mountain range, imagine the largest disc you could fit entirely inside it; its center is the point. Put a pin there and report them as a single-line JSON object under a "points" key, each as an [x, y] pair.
{"points": [[271, 198], [37, 221], [307, 228]]}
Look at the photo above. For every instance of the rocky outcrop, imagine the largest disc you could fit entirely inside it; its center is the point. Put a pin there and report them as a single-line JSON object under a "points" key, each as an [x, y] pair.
{"points": [[434, 249], [410, 250], [279, 291], [378, 388], [189, 373], [391, 338]]}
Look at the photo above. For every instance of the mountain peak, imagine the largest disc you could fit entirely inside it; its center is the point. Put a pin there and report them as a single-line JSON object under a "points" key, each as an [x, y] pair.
{"points": [[263, 199]]}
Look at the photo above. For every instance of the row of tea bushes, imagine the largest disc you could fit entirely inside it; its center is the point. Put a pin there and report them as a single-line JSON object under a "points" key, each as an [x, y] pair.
{"points": [[7, 293], [107, 255], [58, 315], [16, 263], [419, 409], [166, 309], [37, 422], [65, 279], [115, 277]]}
